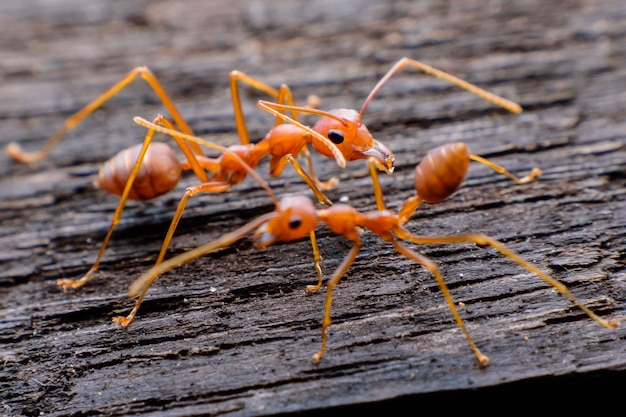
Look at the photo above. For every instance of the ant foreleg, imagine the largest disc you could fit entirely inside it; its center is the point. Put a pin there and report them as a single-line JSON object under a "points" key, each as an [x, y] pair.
{"points": [[378, 192], [310, 181], [324, 186]]}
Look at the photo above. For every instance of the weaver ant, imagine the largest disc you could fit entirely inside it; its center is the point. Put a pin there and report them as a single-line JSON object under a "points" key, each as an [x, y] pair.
{"points": [[296, 216]]}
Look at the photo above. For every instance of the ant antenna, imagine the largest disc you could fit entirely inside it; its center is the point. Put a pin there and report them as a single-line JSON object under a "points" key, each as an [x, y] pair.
{"points": [[427, 69]]}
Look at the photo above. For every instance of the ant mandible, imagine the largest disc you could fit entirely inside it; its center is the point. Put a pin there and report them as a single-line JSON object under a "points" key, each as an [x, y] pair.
{"points": [[294, 218]]}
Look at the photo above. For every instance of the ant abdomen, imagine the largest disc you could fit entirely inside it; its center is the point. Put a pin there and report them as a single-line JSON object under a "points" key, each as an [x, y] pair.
{"points": [[441, 172], [159, 173]]}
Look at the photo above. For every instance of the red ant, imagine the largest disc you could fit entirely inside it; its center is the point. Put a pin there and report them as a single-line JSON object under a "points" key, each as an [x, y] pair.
{"points": [[296, 216], [339, 134]]}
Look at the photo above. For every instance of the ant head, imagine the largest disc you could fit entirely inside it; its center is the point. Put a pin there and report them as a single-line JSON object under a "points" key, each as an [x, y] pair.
{"points": [[346, 130], [295, 217]]}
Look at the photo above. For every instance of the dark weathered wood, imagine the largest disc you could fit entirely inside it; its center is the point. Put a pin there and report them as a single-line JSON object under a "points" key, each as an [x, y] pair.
{"points": [[233, 333]]}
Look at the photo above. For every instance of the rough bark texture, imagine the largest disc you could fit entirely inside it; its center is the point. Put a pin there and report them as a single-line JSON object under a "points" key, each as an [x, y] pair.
{"points": [[233, 333]]}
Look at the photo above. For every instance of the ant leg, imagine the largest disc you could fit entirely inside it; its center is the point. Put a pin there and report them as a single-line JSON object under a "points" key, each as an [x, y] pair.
{"points": [[325, 186], [484, 240], [141, 285], [317, 260], [282, 95], [277, 165], [427, 69], [339, 272], [240, 120], [205, 187], [67, 283], [430, 265], [209, 187], [280, 164], [286, 97], [501, 170], [184, 145], [378, 192], [408, 208], [15, 152], [191, 191]]}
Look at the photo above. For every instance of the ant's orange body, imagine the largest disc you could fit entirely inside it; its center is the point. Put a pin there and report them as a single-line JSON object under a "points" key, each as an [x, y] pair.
{"points": [[295, 217]]}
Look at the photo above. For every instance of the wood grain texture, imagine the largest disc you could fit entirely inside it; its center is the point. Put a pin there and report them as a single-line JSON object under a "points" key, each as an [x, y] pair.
{"points": [[232, 333]]}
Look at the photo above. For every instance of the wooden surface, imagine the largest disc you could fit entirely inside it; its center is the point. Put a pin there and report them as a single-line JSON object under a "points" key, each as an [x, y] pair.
{"points": [[233, 333]]}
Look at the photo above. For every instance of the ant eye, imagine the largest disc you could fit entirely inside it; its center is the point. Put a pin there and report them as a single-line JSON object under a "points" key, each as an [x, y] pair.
{"points": [[335, 136], [295, 222]]}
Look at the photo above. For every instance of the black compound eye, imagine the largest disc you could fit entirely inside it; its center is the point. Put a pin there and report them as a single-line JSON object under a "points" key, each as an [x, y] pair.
{"points": [[295, 222], [335, 136]]}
